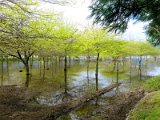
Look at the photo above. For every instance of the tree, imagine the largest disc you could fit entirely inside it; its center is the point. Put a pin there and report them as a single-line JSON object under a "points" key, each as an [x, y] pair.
{"points": [[117, 13], [86, 46], [153, 33], [116, 49], [21, 34], [95, 44], [65, 44]]}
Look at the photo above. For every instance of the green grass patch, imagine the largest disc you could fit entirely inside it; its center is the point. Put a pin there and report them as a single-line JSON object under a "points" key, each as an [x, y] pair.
{"points": [[148, 108], [153, 84]]}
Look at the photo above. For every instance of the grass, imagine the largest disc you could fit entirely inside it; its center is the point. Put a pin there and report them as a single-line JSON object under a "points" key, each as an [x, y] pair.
{"points": [[149, 107], [152, 84]]}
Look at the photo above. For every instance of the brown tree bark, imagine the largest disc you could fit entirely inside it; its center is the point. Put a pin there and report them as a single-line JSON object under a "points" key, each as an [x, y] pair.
{"points": [[97, 63]]}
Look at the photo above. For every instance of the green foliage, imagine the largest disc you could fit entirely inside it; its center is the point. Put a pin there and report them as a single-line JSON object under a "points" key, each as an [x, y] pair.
{"points": [[98, 40], [140, 48], [46, 35], [94, 40], [115, 48], [22, 32], [116, 14], [65, 42]]}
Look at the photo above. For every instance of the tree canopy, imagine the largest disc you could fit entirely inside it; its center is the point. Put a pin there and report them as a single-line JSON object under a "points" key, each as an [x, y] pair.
{"points": [[117, 13]]}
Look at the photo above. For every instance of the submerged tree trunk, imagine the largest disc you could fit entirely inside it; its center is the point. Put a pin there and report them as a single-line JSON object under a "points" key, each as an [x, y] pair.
{"points": [[25, 57], [40, 66], [52, 64], [25, 61], [56, 65], [44, 67], [31, 61], [130, 69], [140, 70], [59, 59], [2, 71], [88, 62], [56, 60], [44, 63], [7, 65], [146, 64], [69, 64], [114, 65], [97, 63], [27, 74], [65, 72], [123, 62], [47, 60], [117, 71]]}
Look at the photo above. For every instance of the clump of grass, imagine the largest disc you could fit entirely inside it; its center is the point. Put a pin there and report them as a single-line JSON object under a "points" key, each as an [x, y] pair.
{"points": [[152, 84], [148, 108]]}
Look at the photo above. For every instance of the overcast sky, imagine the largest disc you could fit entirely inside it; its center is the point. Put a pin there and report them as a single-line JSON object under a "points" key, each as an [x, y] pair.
{"points": [[78, 14]]}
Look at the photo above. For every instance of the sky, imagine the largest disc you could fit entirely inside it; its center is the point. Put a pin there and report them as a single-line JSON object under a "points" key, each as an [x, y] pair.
{"points": [[79, 12]]}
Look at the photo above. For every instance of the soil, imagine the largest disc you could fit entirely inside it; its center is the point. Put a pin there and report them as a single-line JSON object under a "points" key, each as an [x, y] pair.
{"points": [[16, 101], [119, 108]]}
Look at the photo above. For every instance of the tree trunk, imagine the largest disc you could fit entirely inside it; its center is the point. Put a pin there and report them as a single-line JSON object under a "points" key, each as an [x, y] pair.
{"points": [[130, 69], [123, 62], [97, 63], [56, 65], [114, 65], [117, 71], [88, 62], [44, 67], [56, 58], [69, 62], [27, 74], [65, 73], [44, 63], [31, 61], [2, 71], [146, 64], [40, 67], [140, 70], [59, 61], [47, 63], [25, 60], [7, 65]]}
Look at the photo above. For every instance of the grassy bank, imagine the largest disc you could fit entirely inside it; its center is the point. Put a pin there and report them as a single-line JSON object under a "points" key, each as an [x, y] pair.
{"points": [[149, 107], [152, 84]]}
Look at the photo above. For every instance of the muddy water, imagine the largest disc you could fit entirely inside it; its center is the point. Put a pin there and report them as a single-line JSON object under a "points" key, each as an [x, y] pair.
{"points": [[50, 81]]}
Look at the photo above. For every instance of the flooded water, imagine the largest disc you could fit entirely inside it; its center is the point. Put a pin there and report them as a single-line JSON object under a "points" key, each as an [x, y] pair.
{"points": [[50, 81]]}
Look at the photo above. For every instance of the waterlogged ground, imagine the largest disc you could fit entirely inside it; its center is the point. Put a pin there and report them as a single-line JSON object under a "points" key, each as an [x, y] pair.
{"points": [[50, 82]]}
